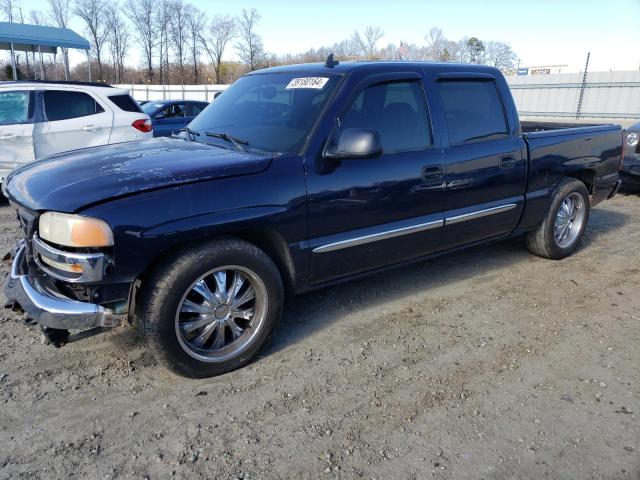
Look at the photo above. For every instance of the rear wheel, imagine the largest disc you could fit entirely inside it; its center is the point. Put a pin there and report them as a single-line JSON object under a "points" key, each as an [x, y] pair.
{"points": [[561, 231], [211, 308]]}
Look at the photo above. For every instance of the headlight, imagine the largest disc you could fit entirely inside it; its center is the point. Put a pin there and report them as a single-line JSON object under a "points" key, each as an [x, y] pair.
{"points": [[74, 230], [632, 139]]}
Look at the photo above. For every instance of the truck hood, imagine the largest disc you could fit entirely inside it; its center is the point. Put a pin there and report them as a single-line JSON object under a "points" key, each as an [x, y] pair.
{"points": [[69, 181]]}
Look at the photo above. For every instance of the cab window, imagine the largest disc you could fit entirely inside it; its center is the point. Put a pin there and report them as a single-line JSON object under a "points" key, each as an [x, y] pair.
{"points": [[396, 110]]}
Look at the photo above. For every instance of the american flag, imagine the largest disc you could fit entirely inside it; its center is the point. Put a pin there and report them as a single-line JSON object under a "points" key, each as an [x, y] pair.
{"points": [[403, 51]]}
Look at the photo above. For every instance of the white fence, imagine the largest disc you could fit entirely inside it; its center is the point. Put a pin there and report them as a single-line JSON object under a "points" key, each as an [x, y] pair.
{"points": [[173, 92], [606, 95]]}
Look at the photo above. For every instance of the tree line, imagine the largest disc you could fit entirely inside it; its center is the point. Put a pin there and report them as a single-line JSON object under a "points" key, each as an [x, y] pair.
{"points": [[179, 43]]}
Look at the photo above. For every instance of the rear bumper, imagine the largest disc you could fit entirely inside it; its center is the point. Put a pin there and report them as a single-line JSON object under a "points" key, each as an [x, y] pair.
{"points": [[49, 307]]}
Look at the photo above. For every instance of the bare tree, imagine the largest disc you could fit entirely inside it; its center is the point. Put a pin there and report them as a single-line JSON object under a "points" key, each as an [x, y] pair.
{"points": [[7, 7], [60, 12], [178, 34], [500, 55], [250, 47], [163, 14], [92, 13], [141, 14], [221, 30], [196, 24], [118, 38], [372, 36], [36, 18]]}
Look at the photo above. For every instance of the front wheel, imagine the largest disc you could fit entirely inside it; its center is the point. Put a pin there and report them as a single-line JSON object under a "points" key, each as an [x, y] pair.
{"points": [[561, 231], [210, 309]]}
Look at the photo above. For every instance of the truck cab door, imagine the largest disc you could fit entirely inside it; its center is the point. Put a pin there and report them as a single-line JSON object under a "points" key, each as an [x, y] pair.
{"points": [[485, 160], [16, 129], [73, 120], [369, 213]]}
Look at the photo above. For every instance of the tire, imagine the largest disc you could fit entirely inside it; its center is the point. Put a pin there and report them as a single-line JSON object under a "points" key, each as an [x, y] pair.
{"points": [[543, 242], [194, 287]]}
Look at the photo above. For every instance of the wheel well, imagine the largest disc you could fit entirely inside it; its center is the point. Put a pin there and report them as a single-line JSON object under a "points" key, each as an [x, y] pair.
{"points": [[587, 177], [267, 240]]}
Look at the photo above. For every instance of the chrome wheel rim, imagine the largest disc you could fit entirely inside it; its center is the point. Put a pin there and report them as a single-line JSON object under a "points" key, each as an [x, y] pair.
{"points": [[569, 220], [221, 313]]}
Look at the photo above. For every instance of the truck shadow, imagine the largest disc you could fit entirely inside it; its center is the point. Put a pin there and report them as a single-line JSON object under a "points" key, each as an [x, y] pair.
{"points": [[313, 312]]}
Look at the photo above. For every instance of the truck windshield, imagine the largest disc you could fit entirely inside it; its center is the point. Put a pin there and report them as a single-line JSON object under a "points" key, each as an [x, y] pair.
{"points": [[273, 112]]}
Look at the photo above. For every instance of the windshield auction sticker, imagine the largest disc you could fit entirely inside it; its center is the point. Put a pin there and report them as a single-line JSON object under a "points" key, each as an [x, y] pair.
{"points": [[316, 83]]}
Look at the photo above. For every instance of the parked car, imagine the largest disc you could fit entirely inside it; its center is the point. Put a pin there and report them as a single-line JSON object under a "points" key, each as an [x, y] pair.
{"points": [[171, 116], [630, 172], [298, 177], [38, 119]]}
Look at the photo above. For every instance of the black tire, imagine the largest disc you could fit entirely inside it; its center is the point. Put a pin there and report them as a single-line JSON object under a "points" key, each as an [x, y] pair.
{"points": [[542, 242], [163, 291]]}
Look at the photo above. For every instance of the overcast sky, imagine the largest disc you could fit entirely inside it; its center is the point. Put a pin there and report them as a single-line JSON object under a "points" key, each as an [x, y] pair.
{"points": [[541, 32]]}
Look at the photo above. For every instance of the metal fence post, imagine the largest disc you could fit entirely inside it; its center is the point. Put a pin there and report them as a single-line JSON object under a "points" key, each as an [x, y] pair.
{"points": [[13, 62]]}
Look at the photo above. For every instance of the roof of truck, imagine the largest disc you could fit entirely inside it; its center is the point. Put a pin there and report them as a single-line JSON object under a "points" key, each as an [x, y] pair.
{"points": [[379, 67]]}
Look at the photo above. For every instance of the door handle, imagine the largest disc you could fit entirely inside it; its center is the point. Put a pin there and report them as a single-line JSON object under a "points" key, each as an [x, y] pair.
{"points": [[8, 136], [508, 162], [90, 128], [435, 172]]}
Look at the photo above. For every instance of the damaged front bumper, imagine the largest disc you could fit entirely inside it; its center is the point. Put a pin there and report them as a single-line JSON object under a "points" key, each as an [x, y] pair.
{"points": [[50, 308]]}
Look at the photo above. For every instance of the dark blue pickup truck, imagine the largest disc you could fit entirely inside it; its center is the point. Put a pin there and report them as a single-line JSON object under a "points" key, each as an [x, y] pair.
{"points": [[295, 178]]}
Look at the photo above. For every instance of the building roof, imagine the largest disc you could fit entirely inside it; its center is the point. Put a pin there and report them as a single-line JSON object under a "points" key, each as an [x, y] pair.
{"points": [[29, 37]]}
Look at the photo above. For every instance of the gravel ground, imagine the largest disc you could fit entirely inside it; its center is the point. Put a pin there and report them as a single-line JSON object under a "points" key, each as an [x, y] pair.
{"points": [[488, 364]]}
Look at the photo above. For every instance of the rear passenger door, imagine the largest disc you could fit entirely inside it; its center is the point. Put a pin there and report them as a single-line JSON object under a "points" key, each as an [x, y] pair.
{"points": [[16, 129], [72, 120], [485, 161], [366, 214]]}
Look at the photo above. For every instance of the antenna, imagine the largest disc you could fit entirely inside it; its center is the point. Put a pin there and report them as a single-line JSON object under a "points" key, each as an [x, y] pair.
{"points": [[330, 63]]}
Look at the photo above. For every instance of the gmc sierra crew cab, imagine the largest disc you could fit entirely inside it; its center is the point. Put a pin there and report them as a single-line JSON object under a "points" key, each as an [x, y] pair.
{"points": [[295, 178]]}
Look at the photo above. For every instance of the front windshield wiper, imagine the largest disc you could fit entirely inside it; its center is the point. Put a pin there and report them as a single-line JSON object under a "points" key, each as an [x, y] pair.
{"points": [[239, 143], [190, 133]]}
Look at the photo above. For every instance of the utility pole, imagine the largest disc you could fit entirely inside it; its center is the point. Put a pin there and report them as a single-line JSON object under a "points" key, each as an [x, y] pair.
{"points": [[582, 87]]}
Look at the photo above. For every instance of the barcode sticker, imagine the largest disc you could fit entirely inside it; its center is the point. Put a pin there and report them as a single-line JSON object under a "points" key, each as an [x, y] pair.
{"points": [[317, 83]]}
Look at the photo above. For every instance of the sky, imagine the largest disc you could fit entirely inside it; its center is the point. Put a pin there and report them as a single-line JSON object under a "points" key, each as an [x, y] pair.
{"points": [[541, 32]]}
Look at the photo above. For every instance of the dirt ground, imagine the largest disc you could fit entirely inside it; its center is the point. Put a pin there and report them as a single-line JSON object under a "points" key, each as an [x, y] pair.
{"points": [[488, 364]]}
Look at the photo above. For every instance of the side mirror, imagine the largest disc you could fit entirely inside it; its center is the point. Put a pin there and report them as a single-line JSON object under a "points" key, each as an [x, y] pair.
{"points": [[159, 116], [355, 143]]}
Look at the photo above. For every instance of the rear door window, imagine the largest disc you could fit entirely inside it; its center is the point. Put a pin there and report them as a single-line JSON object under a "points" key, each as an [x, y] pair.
{"points": [[16, 107], [473, 111], [63, 105], [396, 110]]}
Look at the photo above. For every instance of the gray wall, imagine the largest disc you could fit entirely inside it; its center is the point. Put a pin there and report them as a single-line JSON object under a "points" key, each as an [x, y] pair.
{"points": [[607, 96]]}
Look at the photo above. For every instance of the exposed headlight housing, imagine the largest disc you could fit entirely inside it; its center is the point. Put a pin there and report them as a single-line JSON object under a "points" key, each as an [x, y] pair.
{"points": [[74, 230], [632, 139]]}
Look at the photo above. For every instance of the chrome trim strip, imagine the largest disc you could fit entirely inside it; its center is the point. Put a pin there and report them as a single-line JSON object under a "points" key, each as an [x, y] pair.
{"points": [[479, 214], [92, 263], [374, 237]]}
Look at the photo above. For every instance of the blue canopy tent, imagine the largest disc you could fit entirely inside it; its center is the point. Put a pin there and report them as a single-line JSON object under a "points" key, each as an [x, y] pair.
{"points": [[41, 39]]}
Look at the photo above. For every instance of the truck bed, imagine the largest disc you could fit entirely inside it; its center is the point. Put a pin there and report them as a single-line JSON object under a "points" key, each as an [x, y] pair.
{"points": [[531, 126]]}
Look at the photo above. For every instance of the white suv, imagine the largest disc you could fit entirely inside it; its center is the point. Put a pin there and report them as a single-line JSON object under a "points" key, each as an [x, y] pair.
{"points": [[38, 119]]}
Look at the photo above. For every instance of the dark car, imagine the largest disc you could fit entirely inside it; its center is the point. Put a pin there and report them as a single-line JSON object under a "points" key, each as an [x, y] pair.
{"points": [[630, 172], [170, 116], [295, 178]]}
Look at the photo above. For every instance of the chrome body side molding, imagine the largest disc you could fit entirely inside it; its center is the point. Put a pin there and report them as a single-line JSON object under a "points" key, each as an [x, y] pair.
{"points": [[397, 232], [374, 237], [479, 214]]}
